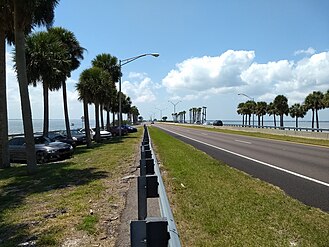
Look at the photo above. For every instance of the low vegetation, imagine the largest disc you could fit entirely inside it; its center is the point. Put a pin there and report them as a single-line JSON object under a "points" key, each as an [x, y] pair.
{"points": [[215, 205], [75, 202]]}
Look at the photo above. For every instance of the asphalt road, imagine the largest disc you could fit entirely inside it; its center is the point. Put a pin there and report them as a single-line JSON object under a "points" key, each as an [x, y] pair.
{"points": [[302, 171]]}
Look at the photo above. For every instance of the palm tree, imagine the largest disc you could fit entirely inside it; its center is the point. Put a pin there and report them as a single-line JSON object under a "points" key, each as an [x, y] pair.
{"points": [[314, 101], [326, 99], [135, 113], [110, 64], [28, 14], [261, 110], [85, 91], [297, 111], [241, 111], [6, 33], [281, 105], [249, 108], [72, 46], [46, 62], [271, 110]]}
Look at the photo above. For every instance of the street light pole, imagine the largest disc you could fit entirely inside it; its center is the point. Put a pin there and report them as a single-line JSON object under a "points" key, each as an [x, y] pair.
{"points": [[160, 112], [253, 112], [174, 104], [121, 63]]}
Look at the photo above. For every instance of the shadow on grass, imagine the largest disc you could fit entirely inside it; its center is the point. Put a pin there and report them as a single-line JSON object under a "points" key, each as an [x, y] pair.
{"points": [[52, 176]]}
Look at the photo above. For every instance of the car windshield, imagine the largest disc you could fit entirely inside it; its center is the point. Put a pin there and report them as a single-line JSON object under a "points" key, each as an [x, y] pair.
{"points": [[41, 140]]}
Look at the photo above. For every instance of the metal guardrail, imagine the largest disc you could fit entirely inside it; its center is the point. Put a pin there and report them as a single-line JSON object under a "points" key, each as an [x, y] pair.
{"points": [[155, 231], [278, 128]]}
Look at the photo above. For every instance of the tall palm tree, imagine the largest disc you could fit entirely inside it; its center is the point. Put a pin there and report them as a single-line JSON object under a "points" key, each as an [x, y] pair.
{"points": [[249, 108], [271, 110], [260, 111], [6, 33], [297, 111], [314, 101], [281, 104], [110, 64], [72, 46], [84, 88], [135, 113], [240, 111], [28, 14], [46, 62]]}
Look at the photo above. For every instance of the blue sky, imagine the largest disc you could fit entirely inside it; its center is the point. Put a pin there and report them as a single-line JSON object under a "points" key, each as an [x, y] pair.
{"points": [[209, 52]]}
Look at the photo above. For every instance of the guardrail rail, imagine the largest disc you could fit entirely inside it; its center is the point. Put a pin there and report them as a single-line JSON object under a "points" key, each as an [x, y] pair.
{"points": [[152, 231]]}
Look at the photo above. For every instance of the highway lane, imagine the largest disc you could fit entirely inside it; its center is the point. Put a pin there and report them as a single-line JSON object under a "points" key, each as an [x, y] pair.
{"points": [[300, 170]]}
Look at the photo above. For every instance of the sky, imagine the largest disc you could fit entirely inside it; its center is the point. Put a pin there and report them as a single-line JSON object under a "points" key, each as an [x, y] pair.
{"points": [[210, 52]]}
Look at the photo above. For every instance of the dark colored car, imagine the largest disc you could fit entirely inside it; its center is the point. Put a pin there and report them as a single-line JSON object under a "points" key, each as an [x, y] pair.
{"points": [[115, 131], [55, 136], [45, 149], [77, 136], [129, 128], [217, 123]]}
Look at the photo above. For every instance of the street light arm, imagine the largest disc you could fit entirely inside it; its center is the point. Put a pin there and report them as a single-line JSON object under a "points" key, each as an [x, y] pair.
{"points": [[128, 60], [246, 96]]}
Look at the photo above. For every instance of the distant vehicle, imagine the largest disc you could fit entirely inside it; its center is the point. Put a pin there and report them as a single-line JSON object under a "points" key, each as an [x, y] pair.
{"points": [[45, 149], [152, 122], [77, 136], [217, 123], [207, 123], [92, 133], [56, 136], [129, 128]]}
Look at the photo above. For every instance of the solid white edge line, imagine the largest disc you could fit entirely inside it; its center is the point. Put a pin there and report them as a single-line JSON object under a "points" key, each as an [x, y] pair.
{"points": [[252, 159]]}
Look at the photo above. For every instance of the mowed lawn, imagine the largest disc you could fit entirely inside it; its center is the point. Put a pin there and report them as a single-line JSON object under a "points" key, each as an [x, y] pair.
{"points": [[215, 205], [75, 202]]}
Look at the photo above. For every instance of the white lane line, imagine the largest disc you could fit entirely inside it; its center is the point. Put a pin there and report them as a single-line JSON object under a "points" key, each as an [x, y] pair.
{"points": [[243, 141], [254, 160], [205, 134]]}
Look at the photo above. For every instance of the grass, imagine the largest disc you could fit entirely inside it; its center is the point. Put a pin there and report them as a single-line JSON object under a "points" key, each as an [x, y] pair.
{"points": [[319, 142], [54, 205], [215, 205]]}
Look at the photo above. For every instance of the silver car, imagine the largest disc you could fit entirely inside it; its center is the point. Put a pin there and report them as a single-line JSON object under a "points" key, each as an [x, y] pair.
{"points": [[45, 149]]}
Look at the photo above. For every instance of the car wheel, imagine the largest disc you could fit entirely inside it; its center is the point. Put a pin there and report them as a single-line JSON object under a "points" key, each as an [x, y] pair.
{"points": [[42, 157]]}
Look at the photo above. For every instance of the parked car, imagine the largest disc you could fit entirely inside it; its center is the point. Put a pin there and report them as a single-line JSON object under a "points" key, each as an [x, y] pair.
{"points": [[129, 128], [56, 136], [45, 149], [104, 134], [217, 123], [92, 133], [115, 131], [77, 136]]}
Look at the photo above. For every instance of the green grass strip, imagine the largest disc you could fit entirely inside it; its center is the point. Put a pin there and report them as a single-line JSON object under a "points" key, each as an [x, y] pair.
{"points": [[215, 205]]}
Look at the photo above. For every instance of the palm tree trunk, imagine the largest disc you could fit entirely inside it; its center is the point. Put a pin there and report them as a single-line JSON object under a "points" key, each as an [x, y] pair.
{"points": [[87, 127], [102, 117], [45, 109], [24, 93], [4, 153], [258, 120], [274, 119], [296, 122], [66, 112], [249, 118], [97, 134], [113, 118], [108, 117], [312, 119], [281, 120], [242, 119], [317, 119]]}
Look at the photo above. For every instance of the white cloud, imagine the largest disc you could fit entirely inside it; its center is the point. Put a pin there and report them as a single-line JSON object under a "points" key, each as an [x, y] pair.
{"points": [[197, 74], [140, 88], [309, 51], [236, 71]]}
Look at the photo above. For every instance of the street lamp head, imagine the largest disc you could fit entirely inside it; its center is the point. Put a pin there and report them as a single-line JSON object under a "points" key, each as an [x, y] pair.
{"points": [[155, 54]]}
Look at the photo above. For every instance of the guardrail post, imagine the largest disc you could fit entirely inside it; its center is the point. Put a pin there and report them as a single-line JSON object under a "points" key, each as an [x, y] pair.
{"points": [[151, 233], [147, 188]]}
